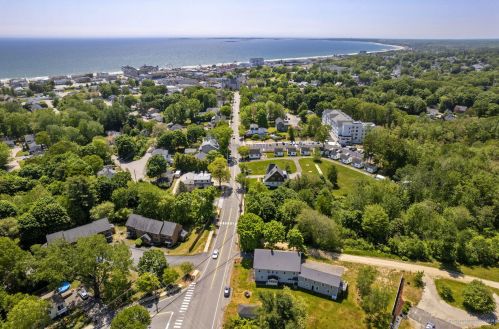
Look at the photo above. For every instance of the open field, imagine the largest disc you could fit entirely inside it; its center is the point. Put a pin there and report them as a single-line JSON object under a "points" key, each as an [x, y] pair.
{"points": [[323, 312], [259, 167], [347, 177]]}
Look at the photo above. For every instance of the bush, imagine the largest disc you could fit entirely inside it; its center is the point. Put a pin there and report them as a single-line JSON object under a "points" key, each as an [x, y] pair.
{"points": [[418, 279], [478, 298], [446, 293], [138, 242]]}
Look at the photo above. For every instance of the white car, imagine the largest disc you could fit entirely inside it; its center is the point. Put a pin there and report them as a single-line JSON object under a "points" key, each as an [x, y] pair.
{"points": [[215, 254], [430, 325]]}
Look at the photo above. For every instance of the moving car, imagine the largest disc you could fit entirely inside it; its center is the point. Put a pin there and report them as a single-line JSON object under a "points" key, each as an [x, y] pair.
{"points": [[215, 254], [226, 291]]}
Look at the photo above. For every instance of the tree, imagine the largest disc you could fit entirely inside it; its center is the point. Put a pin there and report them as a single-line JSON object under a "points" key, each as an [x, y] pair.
{"points": [[332, 175], [446, 293], [291, 134], [219, 170], [289, 211], [478, 297], [4, 154], [319, 230], [153, 261], [95, 261], [186, 267], [156, 166], [273, 232], [243, 180], [29, 313], [366, 277], [126, 147], [281, 310], [170, 276], [147, 283], [81, 198], [14, 264], [250, 230], [103, 210], [45, 216], [7, 209], [375, 223], [243, 151], [133, 317], [295, 239]]}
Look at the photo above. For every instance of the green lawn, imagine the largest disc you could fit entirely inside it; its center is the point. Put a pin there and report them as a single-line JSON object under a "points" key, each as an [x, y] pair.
{"points": [[347, 177], [457, 289], [183, 248], [259, 167]]}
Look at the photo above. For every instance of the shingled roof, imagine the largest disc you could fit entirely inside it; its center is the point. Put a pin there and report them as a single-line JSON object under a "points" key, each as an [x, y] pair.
{"points": [[72, 235], [144, 224]]}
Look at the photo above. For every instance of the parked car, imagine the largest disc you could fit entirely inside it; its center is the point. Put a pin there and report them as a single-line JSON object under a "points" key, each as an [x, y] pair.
{"points": [[82, 292], [215, 254], [430, 325], [226, 292]]}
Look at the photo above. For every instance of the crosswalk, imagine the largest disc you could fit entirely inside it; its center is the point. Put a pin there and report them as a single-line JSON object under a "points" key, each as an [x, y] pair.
{"points": [[185, 305], [226, 223]]}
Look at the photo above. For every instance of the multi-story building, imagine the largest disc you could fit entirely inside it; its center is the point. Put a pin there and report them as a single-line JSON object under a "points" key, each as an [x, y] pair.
{"points": [[258, 61], [274, 267], [344, 129]]}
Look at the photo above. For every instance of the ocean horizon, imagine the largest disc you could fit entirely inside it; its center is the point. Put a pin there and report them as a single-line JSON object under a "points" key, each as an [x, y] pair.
{"points": [[29, 58]]}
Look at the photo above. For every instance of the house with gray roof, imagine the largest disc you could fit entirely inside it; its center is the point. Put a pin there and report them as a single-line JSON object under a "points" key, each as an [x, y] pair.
{"points": [[101, 226], [275, 267], [209, 144], [274, 176], [152, 231]]}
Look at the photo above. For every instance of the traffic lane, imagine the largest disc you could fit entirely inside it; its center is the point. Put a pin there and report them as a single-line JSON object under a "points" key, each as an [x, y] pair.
{"points": [[162, 320]]}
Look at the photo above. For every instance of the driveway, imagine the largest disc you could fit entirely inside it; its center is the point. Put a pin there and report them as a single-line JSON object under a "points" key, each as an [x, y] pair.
{"points": [[432, 304], [136, 168], [14, 164]]}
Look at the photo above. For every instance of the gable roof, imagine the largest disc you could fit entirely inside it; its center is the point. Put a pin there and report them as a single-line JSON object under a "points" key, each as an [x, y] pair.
{"points": [[144, 224], [72, 235], [169, 228], [322, 273], [275, 260], [272, 169]]}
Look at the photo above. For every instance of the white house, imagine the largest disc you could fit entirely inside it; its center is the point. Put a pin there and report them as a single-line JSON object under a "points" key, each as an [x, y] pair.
{"points": [[193, 180], [279, 152], [344, 128], [57, 304], [274, 267], [357, 163], [254, 153], [274, 176], [346, 158], [292, 151]]}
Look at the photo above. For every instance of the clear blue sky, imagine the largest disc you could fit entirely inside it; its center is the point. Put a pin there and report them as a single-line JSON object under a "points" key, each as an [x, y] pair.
{"points": [[247, 18]]}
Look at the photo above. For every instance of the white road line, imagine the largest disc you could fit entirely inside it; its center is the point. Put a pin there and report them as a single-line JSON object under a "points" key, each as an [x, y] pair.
{"points": [[168, 323]]}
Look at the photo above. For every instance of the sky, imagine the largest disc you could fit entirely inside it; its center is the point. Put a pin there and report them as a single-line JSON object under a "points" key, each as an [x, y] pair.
{"points": [[256, 18]]}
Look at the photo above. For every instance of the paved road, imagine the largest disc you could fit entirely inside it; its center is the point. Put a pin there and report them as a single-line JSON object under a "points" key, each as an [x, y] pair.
{"points": [[202, 305], [432, 304], [136, 168]]}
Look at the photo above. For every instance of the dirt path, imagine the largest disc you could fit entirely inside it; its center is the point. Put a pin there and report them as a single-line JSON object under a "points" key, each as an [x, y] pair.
{"points": [[387, 263]]}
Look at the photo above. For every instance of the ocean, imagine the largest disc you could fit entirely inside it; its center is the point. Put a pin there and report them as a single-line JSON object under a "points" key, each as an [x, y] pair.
{"points": [[48, 57]]}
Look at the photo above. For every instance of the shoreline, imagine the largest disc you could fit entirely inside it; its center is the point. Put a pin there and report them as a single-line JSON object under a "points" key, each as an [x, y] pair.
{"points": [[271, 60]]}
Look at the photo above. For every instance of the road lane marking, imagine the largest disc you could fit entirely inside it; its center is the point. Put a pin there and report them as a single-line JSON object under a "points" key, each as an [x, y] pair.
{"points": [[168, 323], [221, 248]]}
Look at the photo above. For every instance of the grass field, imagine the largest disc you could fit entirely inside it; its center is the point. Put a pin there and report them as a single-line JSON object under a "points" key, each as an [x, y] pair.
{"points": [[323, 312], [183, 248], [457, 289], [259, 167], [347, 177]]}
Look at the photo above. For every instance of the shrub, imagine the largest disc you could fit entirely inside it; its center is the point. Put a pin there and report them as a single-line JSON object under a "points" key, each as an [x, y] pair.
{"points": [[478, 298], [446, 293], [418, 279], [138, 242]]}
